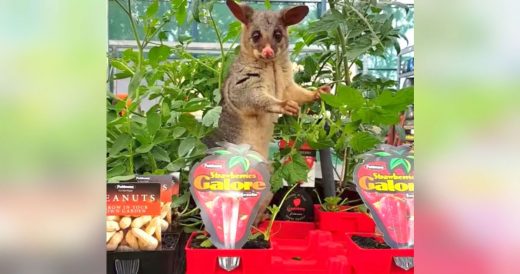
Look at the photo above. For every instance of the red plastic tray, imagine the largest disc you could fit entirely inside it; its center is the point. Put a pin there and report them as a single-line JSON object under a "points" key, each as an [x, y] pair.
{"points": [[343, 222], [300, 248], [373, 261], [205, 261], [288, 229]]}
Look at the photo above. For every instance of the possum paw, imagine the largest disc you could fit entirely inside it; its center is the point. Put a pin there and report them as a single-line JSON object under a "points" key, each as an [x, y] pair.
{"points": [[290, 107], [322, 89]]}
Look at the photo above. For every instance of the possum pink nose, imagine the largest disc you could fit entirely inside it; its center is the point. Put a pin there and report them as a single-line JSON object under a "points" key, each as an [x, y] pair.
{"points": [[267, 52]]}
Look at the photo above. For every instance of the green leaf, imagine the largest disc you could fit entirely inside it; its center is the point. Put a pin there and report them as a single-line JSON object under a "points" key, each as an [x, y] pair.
{"points": [[177, 201], [144, 148], [160, 154], [310, 65], [395, 101], [195, 10], [206, 243], [121, 66], [277, 180], [211, 117], [179, 7], [382, 154], [153, 121], [328, 22], [135, 82], [295, 170], [159, 54], [331, 100], [235, 160], [122, 142], [349, 96], [396, 162], [221, 152], [177, 132], [234, 29], [116, 171], [407, 165], [363, 141], [195, 105], [245, 164], [267, 4], [186, 146], [255, 157], [118, 179], [176, 165], [152, 9]]}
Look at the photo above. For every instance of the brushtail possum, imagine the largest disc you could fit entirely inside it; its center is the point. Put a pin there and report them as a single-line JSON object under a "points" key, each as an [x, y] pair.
{"points": [[260, 83]]}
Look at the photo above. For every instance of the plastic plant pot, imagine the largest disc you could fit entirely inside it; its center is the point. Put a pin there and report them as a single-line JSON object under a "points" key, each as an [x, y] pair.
{"points": [[373, 261], [205, 261], [342, 222], [163, 261]]}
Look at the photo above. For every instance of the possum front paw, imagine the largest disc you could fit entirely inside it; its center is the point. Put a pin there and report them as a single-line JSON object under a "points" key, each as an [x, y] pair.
{"points": [[322, 89], [289, 107]]}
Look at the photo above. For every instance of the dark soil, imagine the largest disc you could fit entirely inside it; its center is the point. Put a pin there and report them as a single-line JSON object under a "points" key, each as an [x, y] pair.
{"points": [[169, 240], [369, 242], [195, 243], [258, 243]]}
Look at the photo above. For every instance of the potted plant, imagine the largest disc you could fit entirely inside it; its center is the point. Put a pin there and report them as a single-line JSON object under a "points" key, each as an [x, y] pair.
{"points": [[385, 182], [334, 215], [255, 255], [368, 253]]}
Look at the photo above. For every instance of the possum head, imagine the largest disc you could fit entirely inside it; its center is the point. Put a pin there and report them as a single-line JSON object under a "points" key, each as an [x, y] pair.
{"points": [[264, 33]]}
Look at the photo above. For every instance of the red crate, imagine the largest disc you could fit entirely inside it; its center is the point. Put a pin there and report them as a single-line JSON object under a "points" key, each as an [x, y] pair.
{"points": [[344, 222], [373, 261], [205, 261], [317, 253], [288, 229]]}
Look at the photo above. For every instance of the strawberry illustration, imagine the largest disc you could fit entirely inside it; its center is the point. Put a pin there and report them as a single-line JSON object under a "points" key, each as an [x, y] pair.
{"points": [[297, 202], [227, 186], [385, 182]]}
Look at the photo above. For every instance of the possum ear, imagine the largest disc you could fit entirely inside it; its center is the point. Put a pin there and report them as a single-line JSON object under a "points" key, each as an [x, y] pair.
{"points": [[294, 15], [243, 12]]}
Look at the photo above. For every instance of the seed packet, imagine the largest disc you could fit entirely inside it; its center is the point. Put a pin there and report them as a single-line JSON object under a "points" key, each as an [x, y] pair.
{"points": [[134, 217], [169, 188]]}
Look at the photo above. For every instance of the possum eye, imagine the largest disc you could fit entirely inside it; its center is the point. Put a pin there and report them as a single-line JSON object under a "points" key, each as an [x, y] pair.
{"points": [[277, 35], [256, 36]]}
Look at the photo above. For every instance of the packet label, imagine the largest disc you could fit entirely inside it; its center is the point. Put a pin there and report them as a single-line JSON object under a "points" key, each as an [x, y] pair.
{"points": [[385, 182], [227, 186], [133, 199]]}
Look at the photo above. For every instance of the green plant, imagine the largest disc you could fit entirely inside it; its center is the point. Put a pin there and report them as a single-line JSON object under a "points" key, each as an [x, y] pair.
{"points": [[355, 119], [167, 136], [274, 210], [336, 204]]}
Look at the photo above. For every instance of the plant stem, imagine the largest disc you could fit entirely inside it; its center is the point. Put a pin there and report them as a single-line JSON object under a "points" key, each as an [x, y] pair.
{"points": [[153, 164], [267, 233], [130, 147], [222, 54], [136, 35]]}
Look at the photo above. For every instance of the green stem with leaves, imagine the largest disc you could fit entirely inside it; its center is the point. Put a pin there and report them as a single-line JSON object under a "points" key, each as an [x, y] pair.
{"points": [[222, 54], [267, 233]]}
